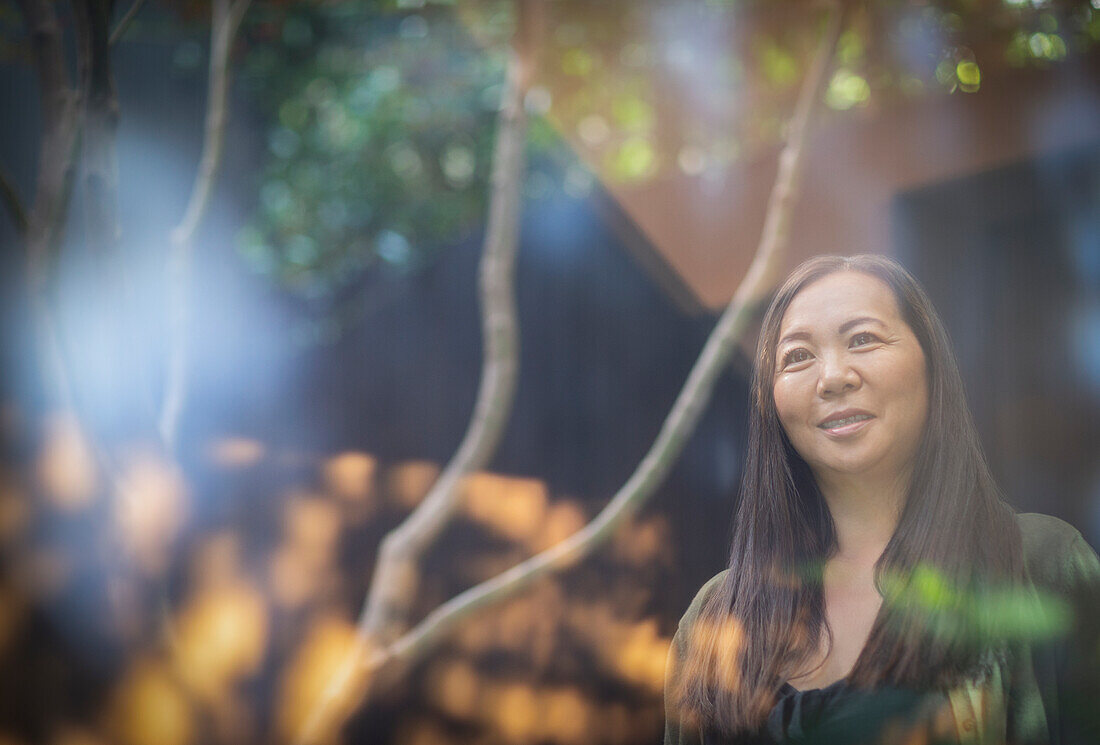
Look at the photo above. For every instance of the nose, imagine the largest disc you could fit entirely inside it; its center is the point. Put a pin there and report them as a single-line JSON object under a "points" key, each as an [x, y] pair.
{"points": [[837, 376]]}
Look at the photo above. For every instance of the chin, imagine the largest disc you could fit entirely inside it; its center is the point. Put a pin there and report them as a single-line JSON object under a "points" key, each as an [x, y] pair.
{"points": [[853, 466]]}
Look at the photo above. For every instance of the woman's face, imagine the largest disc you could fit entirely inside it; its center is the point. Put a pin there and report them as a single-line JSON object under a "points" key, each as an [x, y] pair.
{"points": [[850, 385]]}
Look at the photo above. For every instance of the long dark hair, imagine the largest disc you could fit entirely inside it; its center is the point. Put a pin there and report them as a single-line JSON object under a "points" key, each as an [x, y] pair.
{"points": [[955, 536]]}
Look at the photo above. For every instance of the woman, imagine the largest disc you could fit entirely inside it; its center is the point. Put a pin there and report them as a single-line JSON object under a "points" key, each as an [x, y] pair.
{"points": [[878, 590]]}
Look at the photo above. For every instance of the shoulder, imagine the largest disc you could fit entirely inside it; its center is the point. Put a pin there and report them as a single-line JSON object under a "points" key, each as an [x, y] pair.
{"points": [[1056, 554], [681, 716], [700, 601], [703, 595]]}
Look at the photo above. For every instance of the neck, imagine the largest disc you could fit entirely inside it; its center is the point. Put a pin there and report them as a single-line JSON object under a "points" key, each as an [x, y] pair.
{"points": [[865, 512]]}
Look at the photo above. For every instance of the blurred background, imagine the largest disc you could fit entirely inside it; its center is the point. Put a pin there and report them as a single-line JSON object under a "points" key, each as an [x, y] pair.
{"points": [[334, 342]]}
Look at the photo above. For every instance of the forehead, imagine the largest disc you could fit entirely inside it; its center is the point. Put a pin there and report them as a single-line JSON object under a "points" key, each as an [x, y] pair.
{"points": [[835, 298]]}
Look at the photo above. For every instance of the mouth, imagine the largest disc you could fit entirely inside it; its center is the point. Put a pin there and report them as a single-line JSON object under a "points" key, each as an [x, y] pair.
{"points": [[845, 422]]}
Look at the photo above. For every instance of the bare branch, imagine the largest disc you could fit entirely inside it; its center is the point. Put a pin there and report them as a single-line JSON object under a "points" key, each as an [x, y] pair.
{"points": [[225, 20], [392, 588], [125, 21], [685, 411], [14, 204]]}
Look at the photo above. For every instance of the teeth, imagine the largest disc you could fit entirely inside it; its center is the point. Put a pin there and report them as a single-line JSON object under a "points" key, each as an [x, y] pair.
{"points": [[833, 424]]}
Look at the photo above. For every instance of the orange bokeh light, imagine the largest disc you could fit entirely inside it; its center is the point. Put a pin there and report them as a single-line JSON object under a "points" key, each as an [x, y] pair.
{"points": [[221, 636], [350, 476], [151, 709], [453, 686], [65, 468], [236, 452], [409, 482], [513, 507], [325, 664], [312, 527], [150, 505], [563, 519]]}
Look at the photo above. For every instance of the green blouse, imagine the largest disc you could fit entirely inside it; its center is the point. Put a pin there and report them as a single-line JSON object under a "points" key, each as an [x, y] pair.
{"points": [[1047, 693]]}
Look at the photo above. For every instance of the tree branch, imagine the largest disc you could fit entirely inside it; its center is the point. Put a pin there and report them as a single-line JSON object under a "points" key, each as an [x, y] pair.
{"points": [[125, 21], [685, 411], [14, 204], [226, 18], [392, 588]]}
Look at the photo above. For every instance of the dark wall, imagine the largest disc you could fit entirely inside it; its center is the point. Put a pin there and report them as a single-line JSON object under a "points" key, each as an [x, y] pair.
{"points": [[1011, 258]]}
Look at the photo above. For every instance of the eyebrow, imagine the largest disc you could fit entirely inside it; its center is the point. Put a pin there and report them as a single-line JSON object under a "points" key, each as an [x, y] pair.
{"points": [[844, 328]]}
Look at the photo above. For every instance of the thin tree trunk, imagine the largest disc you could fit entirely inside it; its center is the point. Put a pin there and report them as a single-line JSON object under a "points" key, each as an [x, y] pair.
{"points": [[685, 411], [226, 16]]}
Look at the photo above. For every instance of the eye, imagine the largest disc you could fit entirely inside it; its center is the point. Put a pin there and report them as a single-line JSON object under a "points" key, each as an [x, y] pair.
{"points": [[796, 356], [862, 339]]}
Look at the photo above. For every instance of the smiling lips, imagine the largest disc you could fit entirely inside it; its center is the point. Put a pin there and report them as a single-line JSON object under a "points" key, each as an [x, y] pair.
{"points": [[846, 422]]}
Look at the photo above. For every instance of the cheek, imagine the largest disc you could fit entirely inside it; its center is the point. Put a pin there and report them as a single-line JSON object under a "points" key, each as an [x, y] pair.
{"points": [[914, 390], [786, 405]]}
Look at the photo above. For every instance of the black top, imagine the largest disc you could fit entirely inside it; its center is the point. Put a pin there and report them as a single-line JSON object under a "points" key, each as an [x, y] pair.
{"points": [[1045, 693], [839, 713]]}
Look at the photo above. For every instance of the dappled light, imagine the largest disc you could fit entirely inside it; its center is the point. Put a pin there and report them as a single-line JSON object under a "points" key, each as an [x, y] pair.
{"points": [[350, 476], [66, 467], [847, 90], [721, 642], [149, 508], [983, 613], [292, 579], [151, 708], [515, 508], [641, 656], [632, 649], [302, 567], [562, 519], [312, 525], [221, 636], [643, 542], [236, 452], [567, 716], [410, 481], [453, 686], [327, 649], [513, 711]]}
